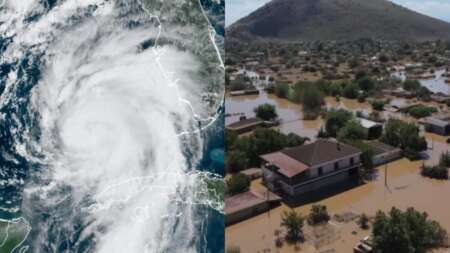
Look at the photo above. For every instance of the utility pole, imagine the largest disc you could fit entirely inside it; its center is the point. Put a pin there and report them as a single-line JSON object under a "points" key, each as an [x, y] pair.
{"points": [[385, 174]]}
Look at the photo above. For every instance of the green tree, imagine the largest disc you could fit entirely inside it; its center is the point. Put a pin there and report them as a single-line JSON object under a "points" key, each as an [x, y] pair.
{"points": [[318, 215], [421, 111], [238, 183], [406, 232], [351, 91], [405, 136], [366, 84], [312, 101], [235, 160], [335, 90], [266, 112], [293, 222], [444, 160], [352, 130], [230, 139], [378, 105], [363, 221], [411, 85], [282, 90], [335, 120]]}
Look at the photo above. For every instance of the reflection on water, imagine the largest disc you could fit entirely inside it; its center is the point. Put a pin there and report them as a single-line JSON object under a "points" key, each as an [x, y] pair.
{"points": [[435, 84], [291, 114], [405, 186]]}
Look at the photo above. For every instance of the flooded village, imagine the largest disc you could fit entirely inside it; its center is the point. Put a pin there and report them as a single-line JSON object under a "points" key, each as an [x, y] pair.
{"points": [[328, 134]]}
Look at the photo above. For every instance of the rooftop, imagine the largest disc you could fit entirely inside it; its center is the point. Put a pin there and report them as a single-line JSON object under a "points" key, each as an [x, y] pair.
{"points": [[368, 123], [287, 165], [244, 123], [437, 121], [320, 152], [247, 200]]}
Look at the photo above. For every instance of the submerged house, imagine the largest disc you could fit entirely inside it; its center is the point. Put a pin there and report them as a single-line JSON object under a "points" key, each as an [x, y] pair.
{"points": [[372, 130], [307, 168], [437, 125], [247, 125], [248, 204]]}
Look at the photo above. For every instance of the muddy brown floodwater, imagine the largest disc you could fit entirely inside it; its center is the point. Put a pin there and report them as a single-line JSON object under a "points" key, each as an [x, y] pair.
{"points": [[405, 186]]}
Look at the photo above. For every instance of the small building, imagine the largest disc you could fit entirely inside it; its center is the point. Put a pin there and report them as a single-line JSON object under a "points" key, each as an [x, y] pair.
{"points": [[383, 153], [372, 130], [299, 170], [248, 204], [437, 125], [244, 92], [245, 125]]}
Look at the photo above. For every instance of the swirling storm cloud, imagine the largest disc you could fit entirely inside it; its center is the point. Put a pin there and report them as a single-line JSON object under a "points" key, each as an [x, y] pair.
{"points": [[106, 103]]}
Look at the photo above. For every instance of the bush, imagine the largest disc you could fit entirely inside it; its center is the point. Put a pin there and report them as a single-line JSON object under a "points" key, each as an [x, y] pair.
{"points": [[335, 120], [444, 160], [312, 100], [263, 141], [421, 111], [362, 98], [281, 90], [436, 172], [351, 91], [293, 222], [363, 221], [238, 183], [266, 112], [409, 231], [378, 105], [233, 249], [335, 90], [405, 136], [411, 85], [366, 84], [352, 130], [235, 161], [318, 215]]}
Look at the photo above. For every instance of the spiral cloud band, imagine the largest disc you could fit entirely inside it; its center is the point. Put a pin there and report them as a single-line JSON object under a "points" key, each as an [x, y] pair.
{"points": [[119, 98]]}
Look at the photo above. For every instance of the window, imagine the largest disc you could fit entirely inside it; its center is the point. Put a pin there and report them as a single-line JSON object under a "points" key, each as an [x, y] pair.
{"points": [[336, 165], [320, 171]]}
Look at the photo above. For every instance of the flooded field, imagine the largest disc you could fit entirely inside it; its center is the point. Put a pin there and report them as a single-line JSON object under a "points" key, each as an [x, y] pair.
{"points": [[291, 114], [435, 84], [404, 185]]}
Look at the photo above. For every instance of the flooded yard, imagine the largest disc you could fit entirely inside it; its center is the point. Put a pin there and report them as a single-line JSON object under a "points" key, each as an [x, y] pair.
{"points": [[404, 186]]}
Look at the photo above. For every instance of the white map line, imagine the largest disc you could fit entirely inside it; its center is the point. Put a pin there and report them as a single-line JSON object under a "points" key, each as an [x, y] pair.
{"points": [[16, 220], [170, 76]]}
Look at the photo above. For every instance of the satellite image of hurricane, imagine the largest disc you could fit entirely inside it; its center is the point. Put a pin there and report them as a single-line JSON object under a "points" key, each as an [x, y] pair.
{"points": [[111, 126]]}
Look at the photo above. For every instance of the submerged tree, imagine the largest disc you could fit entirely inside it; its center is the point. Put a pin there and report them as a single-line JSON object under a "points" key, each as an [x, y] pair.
{"points": [[293, 222]]}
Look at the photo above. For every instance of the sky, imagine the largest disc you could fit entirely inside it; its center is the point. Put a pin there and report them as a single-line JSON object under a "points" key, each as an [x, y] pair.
{"points": [[236, 9]]}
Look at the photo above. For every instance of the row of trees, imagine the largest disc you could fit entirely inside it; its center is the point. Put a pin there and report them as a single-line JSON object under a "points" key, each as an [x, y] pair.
{"points": [[294, 221], [406, 232], [406, 136], [244, 152]]}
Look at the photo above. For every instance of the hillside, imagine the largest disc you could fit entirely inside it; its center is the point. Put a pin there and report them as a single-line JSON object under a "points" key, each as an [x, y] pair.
{"points": [[307, 20]]}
